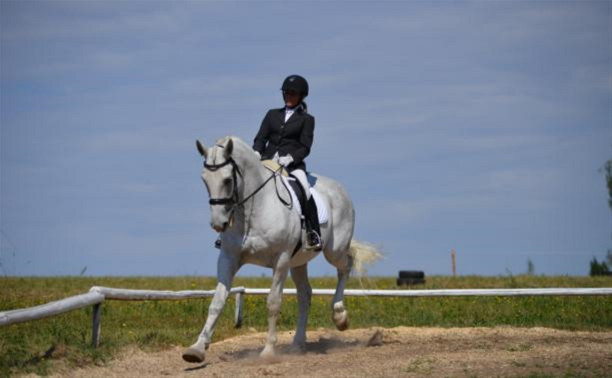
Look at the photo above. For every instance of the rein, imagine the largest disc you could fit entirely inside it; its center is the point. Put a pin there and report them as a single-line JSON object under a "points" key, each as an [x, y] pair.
{"points": [[233, 200]]}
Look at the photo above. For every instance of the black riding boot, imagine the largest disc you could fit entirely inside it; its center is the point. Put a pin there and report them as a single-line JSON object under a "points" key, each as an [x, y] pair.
{"points": [[312, 225], [311, 218]]}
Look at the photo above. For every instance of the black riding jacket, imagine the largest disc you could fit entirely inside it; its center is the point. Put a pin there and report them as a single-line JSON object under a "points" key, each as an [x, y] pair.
{"points": [[293, 137]]}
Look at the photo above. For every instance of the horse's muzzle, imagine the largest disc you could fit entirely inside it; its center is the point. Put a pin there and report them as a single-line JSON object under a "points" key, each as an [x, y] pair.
{"points": [[219, 228], [222, 227]]}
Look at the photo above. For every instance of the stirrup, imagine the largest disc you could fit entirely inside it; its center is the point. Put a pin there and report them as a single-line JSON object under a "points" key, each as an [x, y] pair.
{"points": [[313, 241], [218, 243]]}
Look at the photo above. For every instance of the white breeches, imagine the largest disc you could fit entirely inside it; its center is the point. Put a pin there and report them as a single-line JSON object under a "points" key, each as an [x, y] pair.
{"points": [[301, 176]]}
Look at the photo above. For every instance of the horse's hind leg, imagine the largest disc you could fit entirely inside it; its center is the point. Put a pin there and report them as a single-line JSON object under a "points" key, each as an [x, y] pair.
{"points": [[339, 314], [304, 293]]}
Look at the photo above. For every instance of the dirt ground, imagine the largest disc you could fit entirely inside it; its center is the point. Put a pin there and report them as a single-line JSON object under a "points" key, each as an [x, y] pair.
{"points": [[403, 351]]}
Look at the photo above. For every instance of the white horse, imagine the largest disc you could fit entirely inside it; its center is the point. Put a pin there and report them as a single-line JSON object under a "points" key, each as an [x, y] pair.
{"points": [[256, 227]]}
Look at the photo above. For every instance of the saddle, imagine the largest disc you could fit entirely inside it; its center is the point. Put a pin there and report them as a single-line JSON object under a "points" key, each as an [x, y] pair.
{"points": [[297, 191], [273, 166]]}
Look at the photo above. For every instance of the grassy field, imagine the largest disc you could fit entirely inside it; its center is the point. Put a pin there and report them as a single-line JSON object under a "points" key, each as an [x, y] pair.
{"points": [[151, 325]]}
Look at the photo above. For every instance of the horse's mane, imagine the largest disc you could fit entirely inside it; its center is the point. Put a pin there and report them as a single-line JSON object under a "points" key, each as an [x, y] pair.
{"points": [[236, 140], [241, 147]]}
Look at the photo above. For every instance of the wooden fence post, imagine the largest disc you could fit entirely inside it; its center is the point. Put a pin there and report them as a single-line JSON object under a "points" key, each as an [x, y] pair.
{"points": [[95, 334], [453, 257], [238, 313]]}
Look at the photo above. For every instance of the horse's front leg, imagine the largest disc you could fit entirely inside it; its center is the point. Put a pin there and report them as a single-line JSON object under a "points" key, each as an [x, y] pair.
{"points": [[274, 301], [227, 266]]}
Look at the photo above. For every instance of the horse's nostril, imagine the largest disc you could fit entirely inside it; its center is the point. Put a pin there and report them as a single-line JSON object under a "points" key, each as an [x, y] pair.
{"points": [[219, 228]]}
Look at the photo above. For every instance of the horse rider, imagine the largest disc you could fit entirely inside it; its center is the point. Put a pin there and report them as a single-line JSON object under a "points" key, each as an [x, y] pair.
{"points": [[286, 135]]}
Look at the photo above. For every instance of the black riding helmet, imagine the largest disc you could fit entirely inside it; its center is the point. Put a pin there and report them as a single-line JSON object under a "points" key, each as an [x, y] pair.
{"points": [[296, 83]]}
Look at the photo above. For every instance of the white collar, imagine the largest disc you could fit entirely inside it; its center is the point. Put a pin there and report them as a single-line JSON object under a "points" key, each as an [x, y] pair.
{"points": [[291, 110]]}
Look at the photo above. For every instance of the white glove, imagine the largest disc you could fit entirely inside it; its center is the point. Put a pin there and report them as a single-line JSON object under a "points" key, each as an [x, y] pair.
{"points": [[258, 154], [285, 160]]}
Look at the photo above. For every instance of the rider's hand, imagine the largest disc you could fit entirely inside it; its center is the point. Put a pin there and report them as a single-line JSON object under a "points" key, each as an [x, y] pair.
{"points": [[258, 154], [285, 160]]}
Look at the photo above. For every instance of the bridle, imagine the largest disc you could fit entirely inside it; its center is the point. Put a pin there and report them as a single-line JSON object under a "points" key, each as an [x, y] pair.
{"points": [[233, 200], [234, 197]]}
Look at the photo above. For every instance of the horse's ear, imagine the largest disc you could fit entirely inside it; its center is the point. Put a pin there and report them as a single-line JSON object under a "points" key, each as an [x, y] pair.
{"points": [[201, 149], [229, 147]]}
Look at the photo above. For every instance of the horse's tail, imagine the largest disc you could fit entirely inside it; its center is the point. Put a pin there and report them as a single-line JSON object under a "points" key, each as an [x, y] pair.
{"points": [[363, 254]]}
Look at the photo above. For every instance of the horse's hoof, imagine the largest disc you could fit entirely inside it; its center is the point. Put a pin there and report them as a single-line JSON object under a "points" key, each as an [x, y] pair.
{"points": [[267, 352], [341, 320], [193, 355], [297, 348]]}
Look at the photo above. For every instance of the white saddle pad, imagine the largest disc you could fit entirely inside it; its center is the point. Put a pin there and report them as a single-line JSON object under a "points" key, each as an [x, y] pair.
{"points": [[321, 205]]}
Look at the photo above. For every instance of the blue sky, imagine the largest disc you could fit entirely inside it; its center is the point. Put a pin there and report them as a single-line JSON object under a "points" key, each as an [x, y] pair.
{"points": [[478, 126]]}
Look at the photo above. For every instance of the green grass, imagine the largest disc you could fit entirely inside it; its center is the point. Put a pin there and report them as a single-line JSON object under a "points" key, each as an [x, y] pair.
{"points": [[152, 325]]}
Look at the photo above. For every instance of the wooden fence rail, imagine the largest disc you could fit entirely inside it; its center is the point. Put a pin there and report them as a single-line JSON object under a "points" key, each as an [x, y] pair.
{"points": [[51, 308], [98, 294]]}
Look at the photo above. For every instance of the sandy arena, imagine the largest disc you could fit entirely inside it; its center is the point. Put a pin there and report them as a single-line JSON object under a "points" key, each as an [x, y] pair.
{"points": [[403, 351]]}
